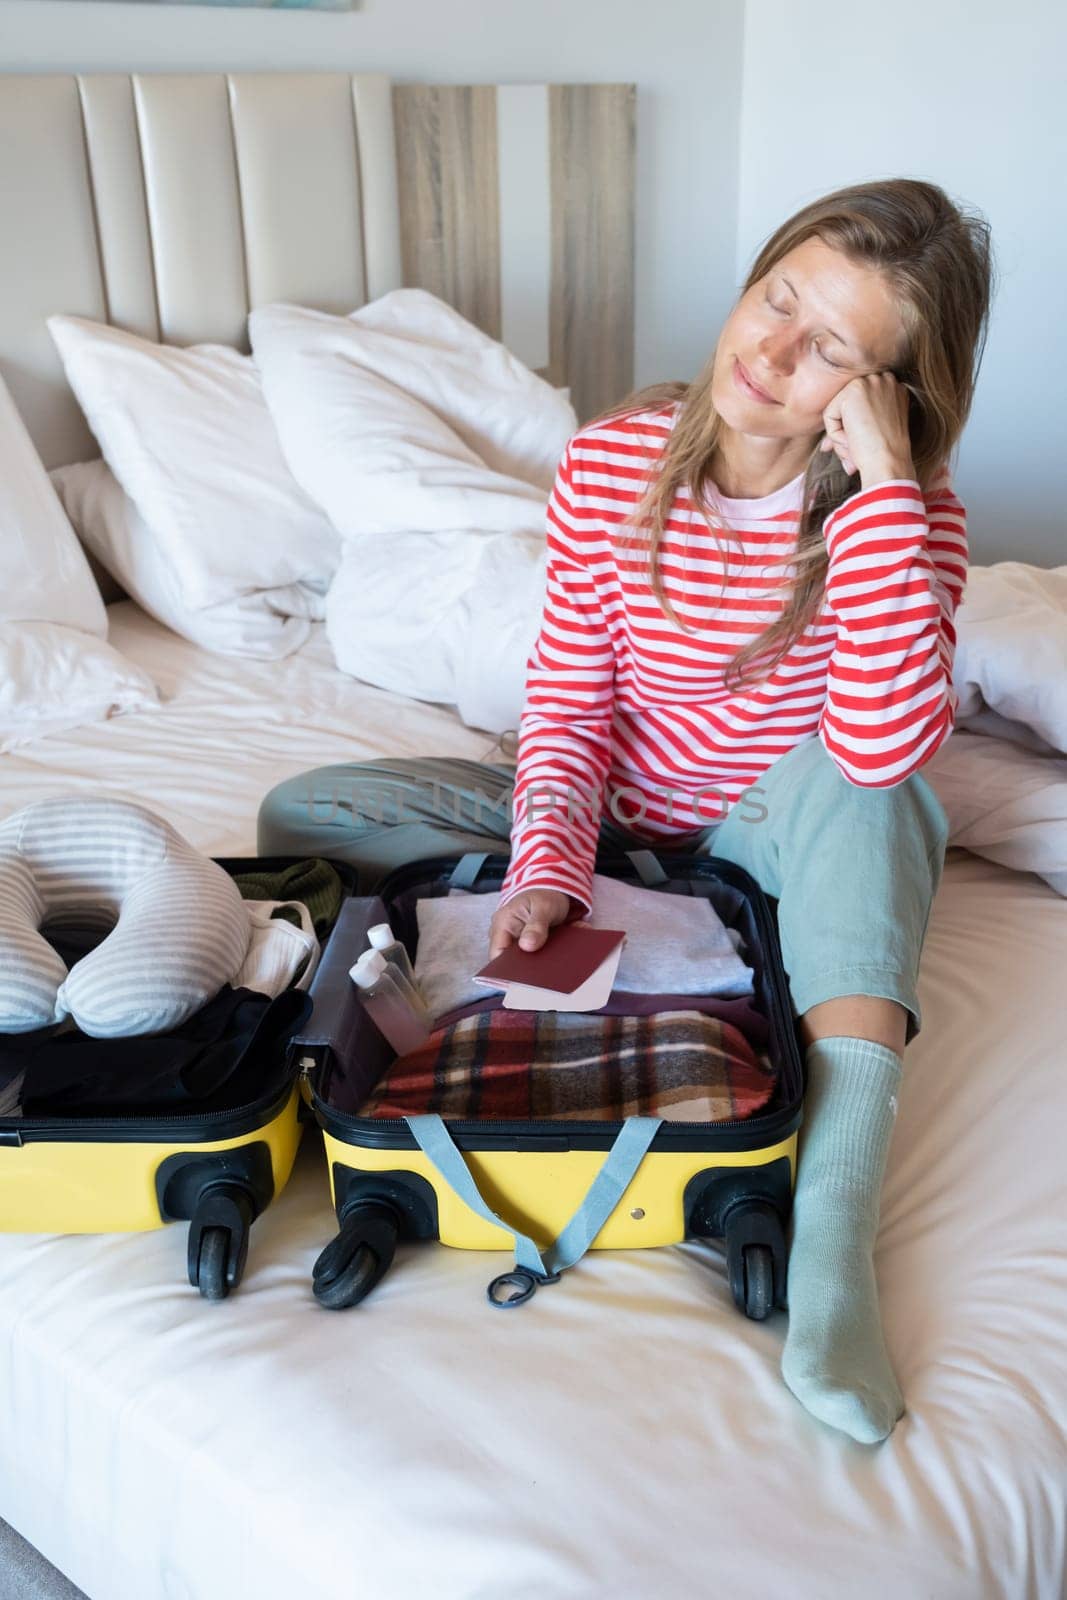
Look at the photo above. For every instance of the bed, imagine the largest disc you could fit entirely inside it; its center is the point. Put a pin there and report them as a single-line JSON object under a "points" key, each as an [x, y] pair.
{"points": [[630, 1435]]}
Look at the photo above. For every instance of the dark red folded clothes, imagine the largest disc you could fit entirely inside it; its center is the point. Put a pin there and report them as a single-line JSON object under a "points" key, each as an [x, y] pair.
{"points": [[531, 1065], [740, 1013]]}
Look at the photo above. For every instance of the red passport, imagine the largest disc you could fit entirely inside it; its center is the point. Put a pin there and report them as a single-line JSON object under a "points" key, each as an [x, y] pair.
{"points": [[569, 956]]}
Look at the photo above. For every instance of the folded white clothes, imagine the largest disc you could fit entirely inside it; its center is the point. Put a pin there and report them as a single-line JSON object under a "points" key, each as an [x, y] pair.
{"points": [[675, 944], [278, 951]]}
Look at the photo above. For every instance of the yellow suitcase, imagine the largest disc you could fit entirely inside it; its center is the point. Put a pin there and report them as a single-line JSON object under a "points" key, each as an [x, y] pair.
{"points": [[217, 1170], [731, 1180]]}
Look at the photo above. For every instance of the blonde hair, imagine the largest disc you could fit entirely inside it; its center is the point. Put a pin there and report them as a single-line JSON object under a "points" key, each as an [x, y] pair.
{"points": [[937, 259]]}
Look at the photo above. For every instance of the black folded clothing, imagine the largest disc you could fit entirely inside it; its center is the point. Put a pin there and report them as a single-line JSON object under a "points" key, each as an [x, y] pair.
{"points": [[10, 1091], [229, 1054]]}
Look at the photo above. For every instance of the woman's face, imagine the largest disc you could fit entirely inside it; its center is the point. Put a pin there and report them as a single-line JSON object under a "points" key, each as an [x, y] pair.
{"points": [[812, 324]]}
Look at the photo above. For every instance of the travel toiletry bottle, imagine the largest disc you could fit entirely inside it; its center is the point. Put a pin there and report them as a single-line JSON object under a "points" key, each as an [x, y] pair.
{"points": [[383, 940], [389, 1008]]}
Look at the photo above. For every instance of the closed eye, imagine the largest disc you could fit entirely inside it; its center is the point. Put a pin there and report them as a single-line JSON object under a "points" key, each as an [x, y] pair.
{"points": [[784, 311]]}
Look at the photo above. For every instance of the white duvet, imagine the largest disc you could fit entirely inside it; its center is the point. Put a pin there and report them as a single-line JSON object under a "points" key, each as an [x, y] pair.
{"points": [[627, 1435]]}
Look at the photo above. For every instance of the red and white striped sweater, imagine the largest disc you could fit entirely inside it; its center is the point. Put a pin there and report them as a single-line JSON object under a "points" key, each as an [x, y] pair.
{"points": [[624, 709]]}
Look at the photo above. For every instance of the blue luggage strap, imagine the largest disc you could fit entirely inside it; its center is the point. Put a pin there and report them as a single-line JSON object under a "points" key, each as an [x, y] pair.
{"points": [[625, 1156], [605, 1191], [465, 873]]}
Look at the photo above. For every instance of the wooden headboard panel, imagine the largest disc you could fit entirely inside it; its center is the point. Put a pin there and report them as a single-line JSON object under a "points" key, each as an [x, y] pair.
{"points": [[517, 207], [172, 204]]}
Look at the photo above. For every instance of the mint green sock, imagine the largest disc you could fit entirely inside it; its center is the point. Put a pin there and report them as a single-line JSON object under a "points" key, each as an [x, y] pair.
{"points": [[835, 1359]]}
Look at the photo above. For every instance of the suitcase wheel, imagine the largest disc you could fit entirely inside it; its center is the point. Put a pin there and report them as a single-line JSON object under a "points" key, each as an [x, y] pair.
{"points": [[218, 1239], [360, 1256], [758, 1282], [755, 1257], [212, 1263]]}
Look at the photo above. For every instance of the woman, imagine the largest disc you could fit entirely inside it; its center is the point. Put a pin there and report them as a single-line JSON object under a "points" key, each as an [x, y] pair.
{"points": [[747, 648]]}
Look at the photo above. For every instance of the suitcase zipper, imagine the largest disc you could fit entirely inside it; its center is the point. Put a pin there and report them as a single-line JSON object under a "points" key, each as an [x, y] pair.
{"points": [[83, 1127], [539, 1125]]}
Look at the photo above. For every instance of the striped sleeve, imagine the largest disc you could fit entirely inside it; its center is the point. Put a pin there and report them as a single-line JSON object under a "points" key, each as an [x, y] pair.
{"points": [[565, 729], [896, 574]]}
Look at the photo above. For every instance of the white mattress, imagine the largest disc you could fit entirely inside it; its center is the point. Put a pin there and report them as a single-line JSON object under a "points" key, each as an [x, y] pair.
{"points": [[627, 1434]]}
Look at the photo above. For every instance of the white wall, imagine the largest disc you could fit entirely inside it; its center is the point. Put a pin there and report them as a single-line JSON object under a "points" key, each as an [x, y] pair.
{"points": [[746, 110], [973, 97], [685, 55]]}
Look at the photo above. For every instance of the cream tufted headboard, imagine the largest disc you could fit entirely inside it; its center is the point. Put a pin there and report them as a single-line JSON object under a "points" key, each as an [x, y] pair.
{"points": [[172, 204]]}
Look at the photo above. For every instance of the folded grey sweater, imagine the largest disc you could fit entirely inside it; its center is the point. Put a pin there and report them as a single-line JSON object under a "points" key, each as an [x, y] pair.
{"points": [[675, 944]]}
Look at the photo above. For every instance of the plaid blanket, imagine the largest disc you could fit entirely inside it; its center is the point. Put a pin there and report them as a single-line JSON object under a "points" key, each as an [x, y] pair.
{"points": [[521, 1065]]}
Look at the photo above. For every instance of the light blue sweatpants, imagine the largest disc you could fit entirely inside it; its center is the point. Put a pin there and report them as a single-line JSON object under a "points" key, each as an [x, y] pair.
{"points": [[854, 870]]}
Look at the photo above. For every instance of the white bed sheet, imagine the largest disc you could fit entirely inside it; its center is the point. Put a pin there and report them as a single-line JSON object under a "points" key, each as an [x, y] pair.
{"points": [[228, 730], [628, 1433]]}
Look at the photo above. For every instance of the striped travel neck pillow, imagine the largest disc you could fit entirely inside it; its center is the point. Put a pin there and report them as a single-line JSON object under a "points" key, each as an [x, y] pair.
{"points": [[179, 929]]}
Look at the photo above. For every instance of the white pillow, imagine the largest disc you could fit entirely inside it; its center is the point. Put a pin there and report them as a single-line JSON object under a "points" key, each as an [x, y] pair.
{"points": [[446, 617], [404, 416], [44, 576], [1011, 654], [1004, 802], [111, 527], [188, 436], [56, 671]]}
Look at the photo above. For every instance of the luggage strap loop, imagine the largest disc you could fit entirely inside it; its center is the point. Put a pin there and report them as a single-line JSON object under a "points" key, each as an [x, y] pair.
{"points": [[465, 873], [648, 868], [531, 1268]]}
